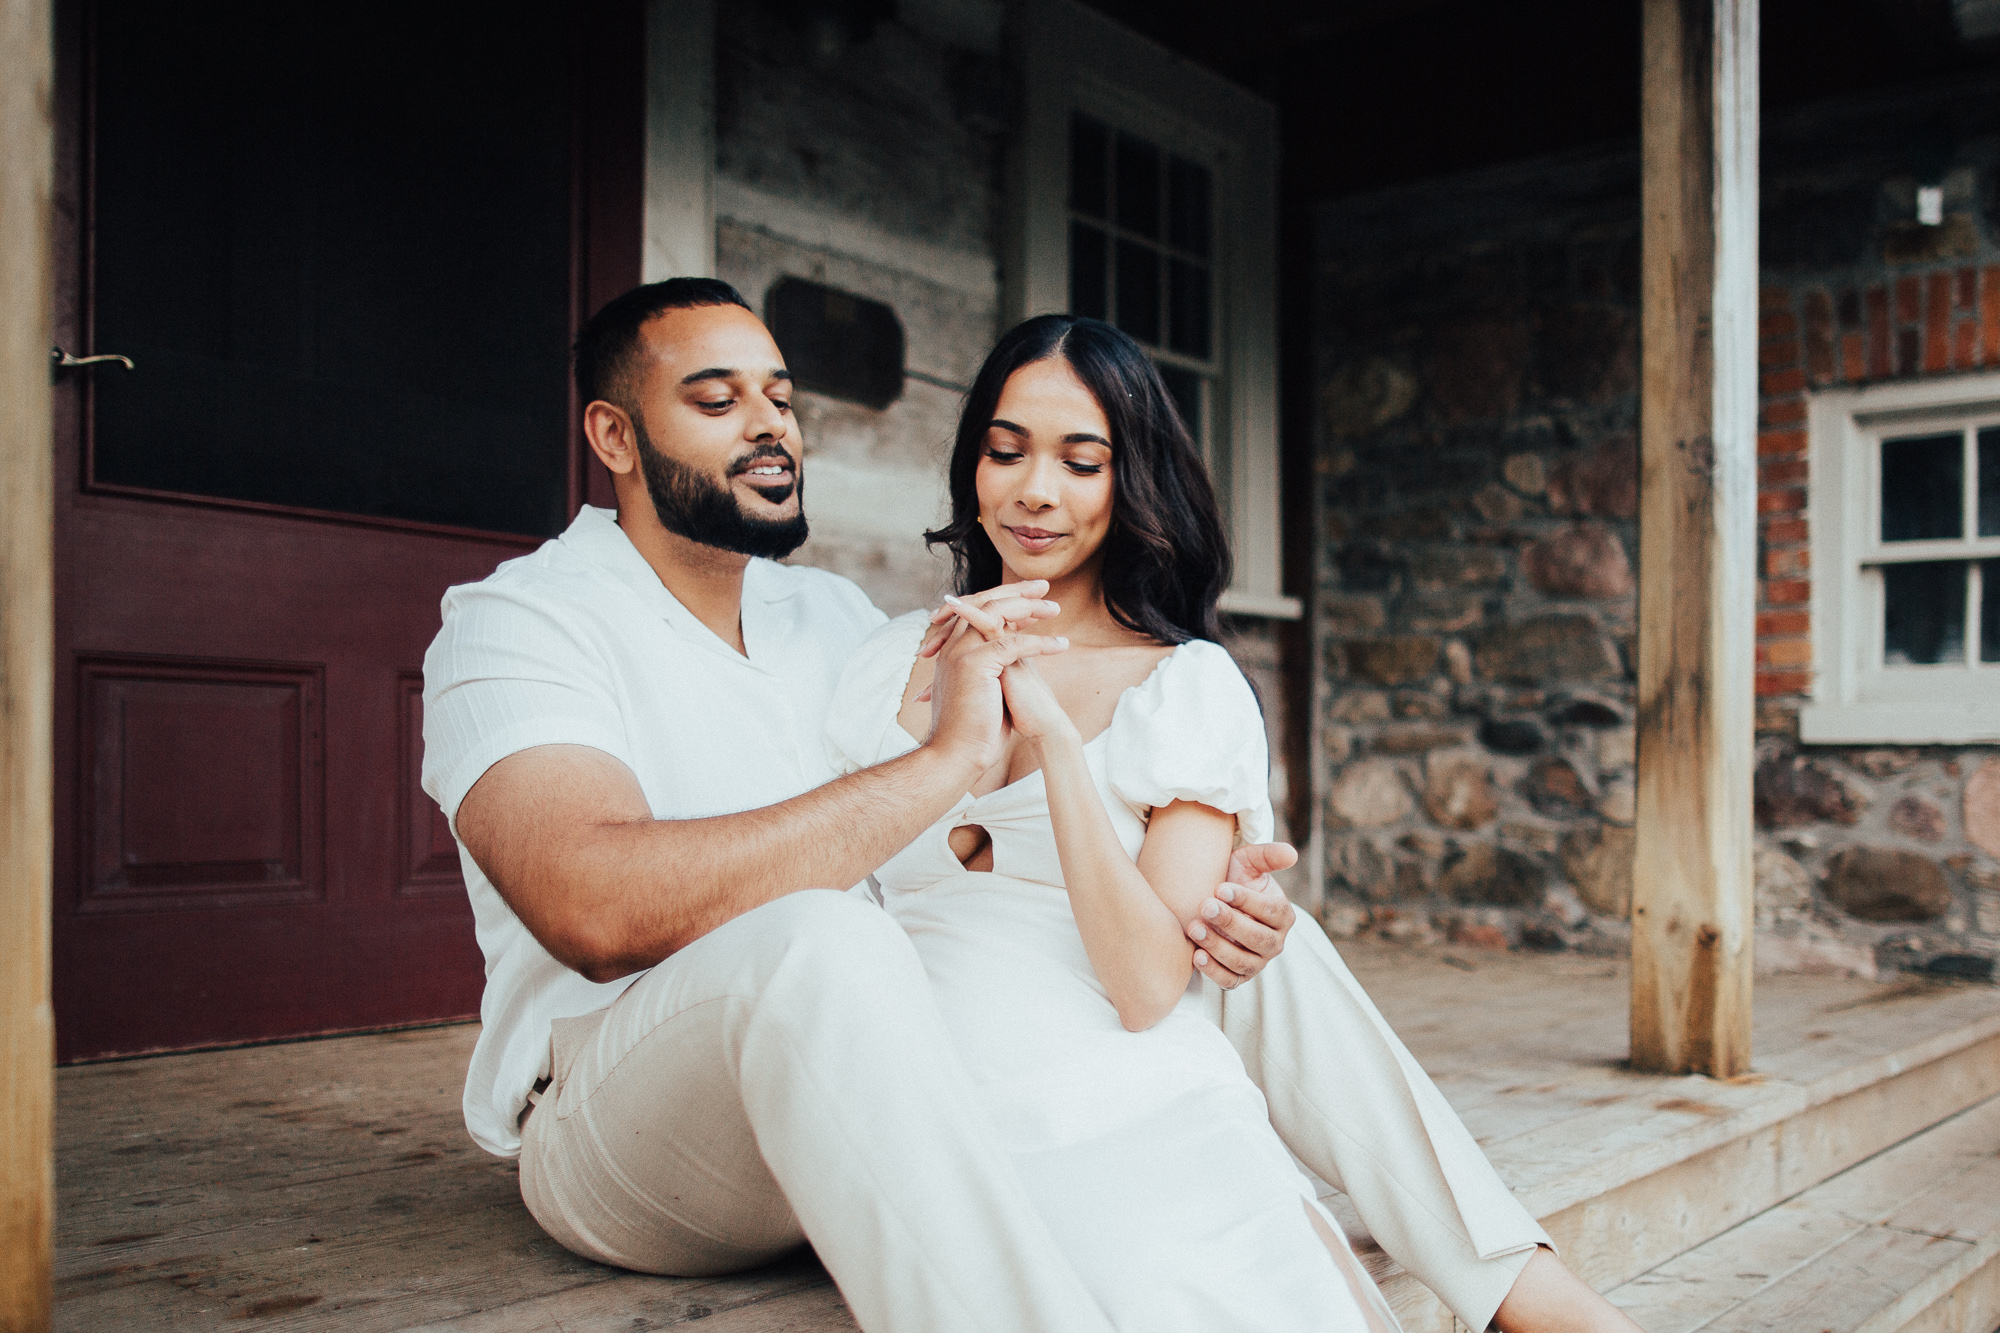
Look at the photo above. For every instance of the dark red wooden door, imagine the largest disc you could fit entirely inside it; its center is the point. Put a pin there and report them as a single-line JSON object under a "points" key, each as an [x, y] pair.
{"points": [[345, 248]]}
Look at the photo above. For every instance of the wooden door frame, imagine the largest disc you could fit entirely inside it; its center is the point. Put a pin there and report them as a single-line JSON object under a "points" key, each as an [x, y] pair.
{"points": [[27, 624]]}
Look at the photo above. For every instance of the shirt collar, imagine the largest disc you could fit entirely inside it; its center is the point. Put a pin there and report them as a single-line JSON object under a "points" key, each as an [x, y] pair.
{"points": [[594, 535]]}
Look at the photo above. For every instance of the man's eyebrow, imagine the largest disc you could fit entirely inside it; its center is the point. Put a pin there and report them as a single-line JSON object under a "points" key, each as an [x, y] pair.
{"points": [[724, 373]]}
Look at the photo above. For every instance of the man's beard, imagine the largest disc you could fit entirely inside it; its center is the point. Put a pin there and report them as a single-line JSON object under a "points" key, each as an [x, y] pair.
{"points": [[692, 506]]}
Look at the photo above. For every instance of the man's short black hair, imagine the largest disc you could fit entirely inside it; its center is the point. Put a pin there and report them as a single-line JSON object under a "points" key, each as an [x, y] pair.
{"points": [[605, 349]]}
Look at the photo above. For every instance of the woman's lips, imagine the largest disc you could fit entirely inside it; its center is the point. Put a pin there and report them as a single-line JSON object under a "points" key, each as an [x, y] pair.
{"points": [[1034, 540]]}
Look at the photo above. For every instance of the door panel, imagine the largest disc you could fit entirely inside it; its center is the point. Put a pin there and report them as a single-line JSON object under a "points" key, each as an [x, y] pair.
{"points": [[346, 264], [205, 783]]}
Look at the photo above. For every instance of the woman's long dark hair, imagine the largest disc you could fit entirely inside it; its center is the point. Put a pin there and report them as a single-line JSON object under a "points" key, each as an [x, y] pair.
{"points": [[1166, 559]]}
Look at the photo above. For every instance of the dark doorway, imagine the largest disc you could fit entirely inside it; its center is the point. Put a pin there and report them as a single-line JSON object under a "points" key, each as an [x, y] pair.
{"points": [[345, 248]]}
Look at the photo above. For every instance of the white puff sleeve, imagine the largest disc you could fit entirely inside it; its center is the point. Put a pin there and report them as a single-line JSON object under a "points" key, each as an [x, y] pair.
{"points": [[1193, 732], [861, 728]]}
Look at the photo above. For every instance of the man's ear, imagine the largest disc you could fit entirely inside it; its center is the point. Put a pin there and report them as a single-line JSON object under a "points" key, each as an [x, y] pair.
{"points": [[608, 427]]}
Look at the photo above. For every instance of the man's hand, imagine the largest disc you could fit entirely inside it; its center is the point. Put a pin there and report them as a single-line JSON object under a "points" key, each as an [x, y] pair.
{"points": [[1243, 927], [968, 710]]}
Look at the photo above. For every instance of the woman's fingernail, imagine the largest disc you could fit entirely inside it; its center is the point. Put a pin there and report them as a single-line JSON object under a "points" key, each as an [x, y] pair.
{"points": [[1227, 893], [1200, 958], [1211, 909], [949, 600], [1196, 932], [1062, 640]]}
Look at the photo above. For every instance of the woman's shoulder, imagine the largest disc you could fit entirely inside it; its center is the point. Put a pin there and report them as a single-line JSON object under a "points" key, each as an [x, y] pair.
{"points": [[1193, 731], [1199, 674], [1195, 697], [870, 692], [902, 634]]}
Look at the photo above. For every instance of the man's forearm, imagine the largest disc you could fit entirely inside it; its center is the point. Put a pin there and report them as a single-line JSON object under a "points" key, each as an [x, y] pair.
{"points": [[648, 887]]}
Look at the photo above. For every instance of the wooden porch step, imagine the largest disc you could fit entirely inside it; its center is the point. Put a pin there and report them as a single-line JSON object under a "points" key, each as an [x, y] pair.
{"points": [[1644, 1169], [330, 1186], [1907, 1240]]}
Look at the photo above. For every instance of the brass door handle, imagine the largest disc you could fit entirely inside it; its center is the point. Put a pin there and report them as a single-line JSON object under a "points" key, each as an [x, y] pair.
{"points": [[63, 360]]}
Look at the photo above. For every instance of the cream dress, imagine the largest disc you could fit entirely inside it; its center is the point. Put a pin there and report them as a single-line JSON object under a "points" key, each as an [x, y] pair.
{"points": [[1151, 1154]]}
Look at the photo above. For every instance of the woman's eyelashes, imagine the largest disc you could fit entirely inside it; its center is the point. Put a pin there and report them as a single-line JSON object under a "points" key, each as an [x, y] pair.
{"points": [[1080, 466]]}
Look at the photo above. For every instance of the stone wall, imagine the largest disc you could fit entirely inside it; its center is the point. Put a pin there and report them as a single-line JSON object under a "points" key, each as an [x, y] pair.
{"points": [[1477, 351], [872, 162]]}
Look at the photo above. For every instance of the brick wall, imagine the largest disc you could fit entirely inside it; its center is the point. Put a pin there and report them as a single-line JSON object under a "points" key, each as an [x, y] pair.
{"points": [[1938, 314]]}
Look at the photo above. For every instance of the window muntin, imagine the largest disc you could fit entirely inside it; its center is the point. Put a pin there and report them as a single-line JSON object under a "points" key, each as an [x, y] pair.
{"points": [[1936, 611], [1141, 229], [1903, 515], [1214, 148]]}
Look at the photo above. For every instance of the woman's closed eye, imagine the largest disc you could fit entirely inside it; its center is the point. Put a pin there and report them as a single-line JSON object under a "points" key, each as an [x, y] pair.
{"points": [[1080, 466]]}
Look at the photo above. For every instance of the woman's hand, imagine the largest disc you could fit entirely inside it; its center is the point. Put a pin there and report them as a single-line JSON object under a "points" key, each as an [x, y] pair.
{"points": [[1032, 707], [1011, 604]]}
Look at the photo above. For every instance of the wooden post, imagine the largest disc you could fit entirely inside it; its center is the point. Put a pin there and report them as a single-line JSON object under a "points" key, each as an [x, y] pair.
{"points": [[27, 1026], [1692, 908]]}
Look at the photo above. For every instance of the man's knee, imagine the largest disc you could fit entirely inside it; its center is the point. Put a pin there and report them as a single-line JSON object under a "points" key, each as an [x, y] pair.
{"points": [[827, 928]]}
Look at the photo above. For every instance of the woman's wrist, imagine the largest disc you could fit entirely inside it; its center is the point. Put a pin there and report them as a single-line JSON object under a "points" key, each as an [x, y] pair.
{"points": [[1056, 744]]}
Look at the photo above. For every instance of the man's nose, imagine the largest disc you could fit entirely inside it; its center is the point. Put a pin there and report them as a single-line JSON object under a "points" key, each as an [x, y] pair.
{"points": [[764, 421]]}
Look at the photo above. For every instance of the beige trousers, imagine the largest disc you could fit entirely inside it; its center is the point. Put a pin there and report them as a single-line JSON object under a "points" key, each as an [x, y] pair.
{"points": [[788, 1078], [1353, 1104]]}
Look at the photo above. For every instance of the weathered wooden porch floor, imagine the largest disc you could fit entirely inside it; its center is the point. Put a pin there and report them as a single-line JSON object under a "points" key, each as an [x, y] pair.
{"points": [[330, 1184]]}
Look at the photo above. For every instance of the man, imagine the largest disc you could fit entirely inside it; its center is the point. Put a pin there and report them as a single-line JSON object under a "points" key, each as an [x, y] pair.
{"points": [[701, 1055]]}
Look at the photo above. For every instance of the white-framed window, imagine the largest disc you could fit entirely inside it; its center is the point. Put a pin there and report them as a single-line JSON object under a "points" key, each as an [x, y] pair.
{"points": [[1144, 192], [1904, 518]]}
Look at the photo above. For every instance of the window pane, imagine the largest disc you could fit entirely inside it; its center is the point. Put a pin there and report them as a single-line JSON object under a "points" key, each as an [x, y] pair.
{"points": [[1989, 482], [1138, 174], [1923, 613], [1185, 386], [1989, 610], [1922, 481], [1188, 206], [1089, 173], [1139, 291], [1088, 271], [1187, 307]]}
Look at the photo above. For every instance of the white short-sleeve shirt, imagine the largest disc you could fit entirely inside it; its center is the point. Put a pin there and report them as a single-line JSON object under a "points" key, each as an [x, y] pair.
{"points": [[581, 644]]}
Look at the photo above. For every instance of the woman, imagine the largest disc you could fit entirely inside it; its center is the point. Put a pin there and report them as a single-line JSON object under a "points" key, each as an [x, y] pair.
{"points": [[1047, 905]]}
